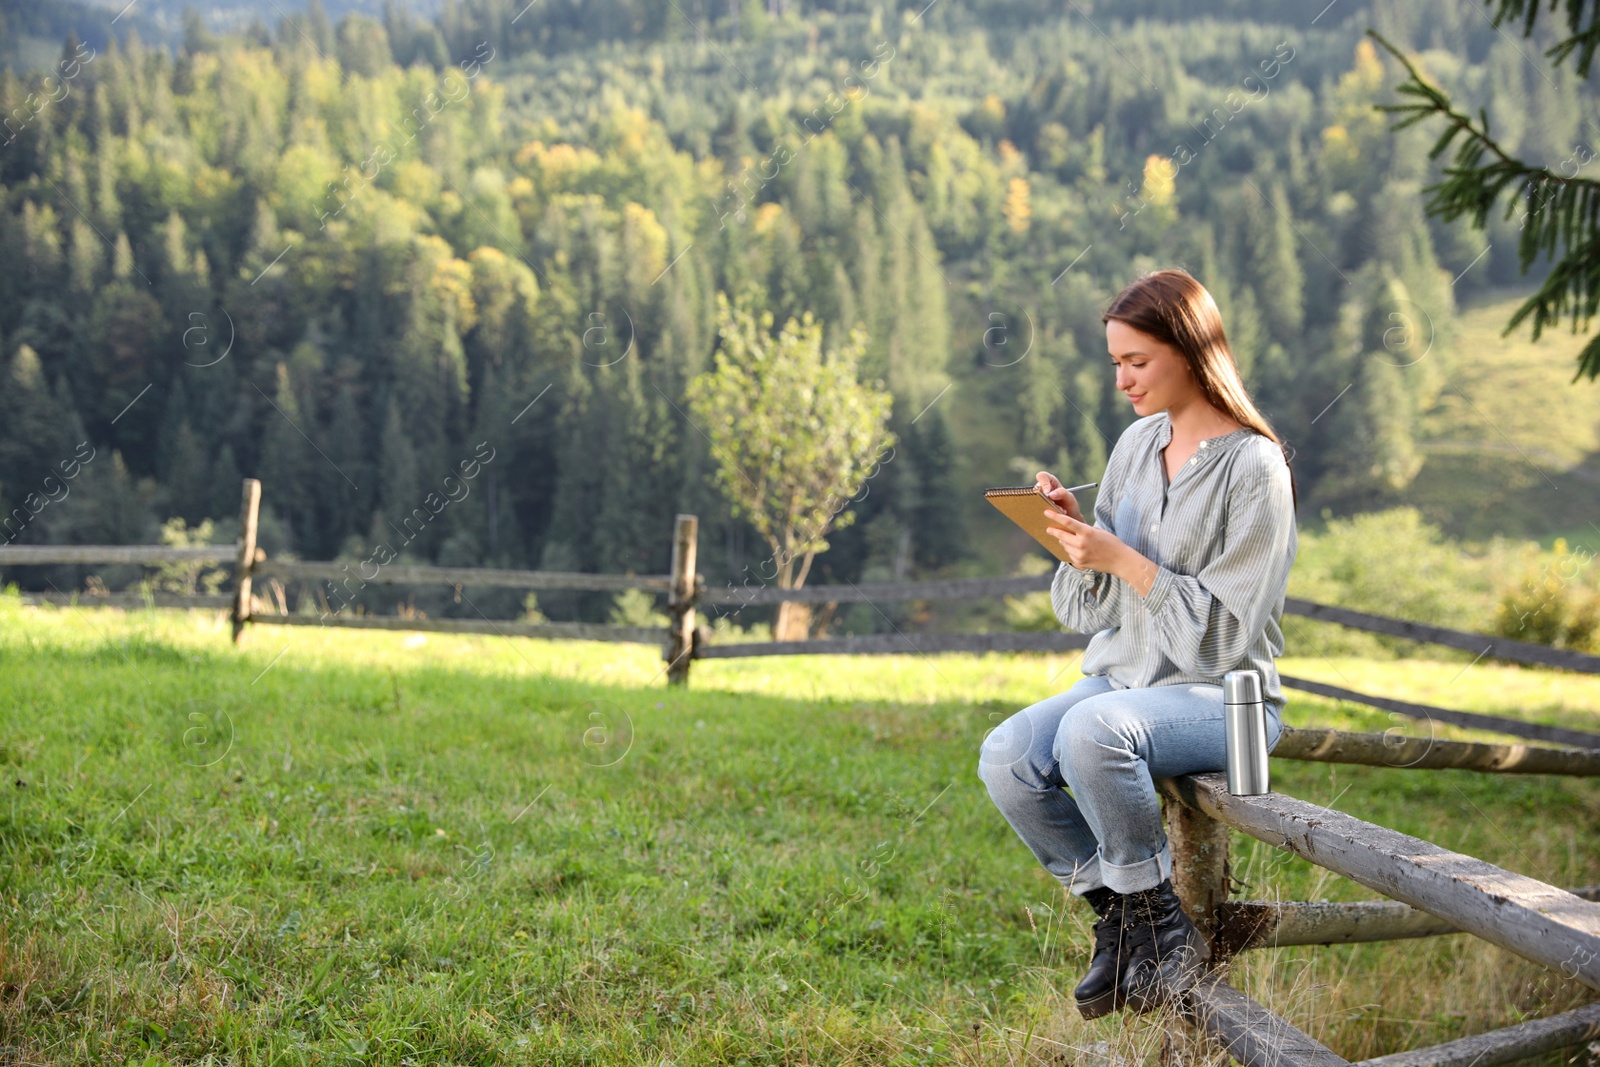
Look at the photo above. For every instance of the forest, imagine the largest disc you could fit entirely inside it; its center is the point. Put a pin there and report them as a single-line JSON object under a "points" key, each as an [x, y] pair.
{"points": [[348, 253]]}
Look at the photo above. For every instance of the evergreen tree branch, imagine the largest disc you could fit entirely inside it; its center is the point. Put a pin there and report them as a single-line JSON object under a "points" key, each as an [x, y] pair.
{"points": [[1583, 22], [1562, 217]]}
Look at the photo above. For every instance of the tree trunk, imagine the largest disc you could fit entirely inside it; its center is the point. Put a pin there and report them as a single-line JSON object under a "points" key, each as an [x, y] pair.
{"points": [[794, 621]]}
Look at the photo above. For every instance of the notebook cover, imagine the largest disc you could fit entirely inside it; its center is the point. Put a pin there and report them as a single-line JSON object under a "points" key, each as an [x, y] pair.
{"points": [[1025, 505]]}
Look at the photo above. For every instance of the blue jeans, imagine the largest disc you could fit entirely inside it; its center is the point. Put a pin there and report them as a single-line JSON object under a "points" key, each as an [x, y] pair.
{"points": [[1106, 745]]}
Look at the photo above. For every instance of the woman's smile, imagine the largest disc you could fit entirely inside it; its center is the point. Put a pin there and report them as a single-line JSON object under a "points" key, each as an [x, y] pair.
{"points": [[1143, 365]]}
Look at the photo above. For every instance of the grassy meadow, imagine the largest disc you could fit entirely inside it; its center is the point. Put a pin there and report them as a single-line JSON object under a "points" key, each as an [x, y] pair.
{"points": [[367, 848], [1512, 444]]}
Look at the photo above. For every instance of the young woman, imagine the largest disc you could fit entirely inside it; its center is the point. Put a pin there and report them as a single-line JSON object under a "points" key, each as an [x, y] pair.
{"points": [[1181, 578]]}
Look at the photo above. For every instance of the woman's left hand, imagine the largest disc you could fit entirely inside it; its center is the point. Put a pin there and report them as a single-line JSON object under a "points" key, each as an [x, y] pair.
{"points": [[1088, 547]]}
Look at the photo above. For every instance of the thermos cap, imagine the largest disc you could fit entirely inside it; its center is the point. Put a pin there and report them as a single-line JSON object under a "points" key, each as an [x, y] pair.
{"points": [[1241, 687]]}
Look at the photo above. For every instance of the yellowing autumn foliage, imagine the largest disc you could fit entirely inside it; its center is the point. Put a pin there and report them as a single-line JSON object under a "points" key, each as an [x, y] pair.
{"points": [[1017, 209], [1160, 180]]}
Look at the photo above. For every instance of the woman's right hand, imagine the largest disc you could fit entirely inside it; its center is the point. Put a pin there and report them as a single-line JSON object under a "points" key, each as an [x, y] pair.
{"points": [[1052, 488]]}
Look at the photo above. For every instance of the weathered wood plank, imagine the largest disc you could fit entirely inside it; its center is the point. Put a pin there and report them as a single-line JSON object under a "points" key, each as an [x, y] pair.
{"points": [[34, 555], [1471, 719], [880, 592], [1523, 915], [1576, 1027], [758, 592], [1421, 753], [1199, 846], [394, 574], [130, 600], [1253, 1035], [572, 631], [880, 644], [1484, 644], [1247, 924]]}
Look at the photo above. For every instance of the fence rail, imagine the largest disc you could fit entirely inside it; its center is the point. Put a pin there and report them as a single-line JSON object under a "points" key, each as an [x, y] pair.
{"points": [[1513, 1043], [1432, 754], [1432, 891], [1472, 720], [392, 574], [1550, 926], [36, 555], [884, 592], [570, 631], [157, 598], [1247, 924], [1502, 648], [900, 644], [1250, 1033]]}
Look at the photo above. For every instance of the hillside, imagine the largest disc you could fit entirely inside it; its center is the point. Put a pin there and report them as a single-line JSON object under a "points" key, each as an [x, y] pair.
{"points": [[1513, 446]]}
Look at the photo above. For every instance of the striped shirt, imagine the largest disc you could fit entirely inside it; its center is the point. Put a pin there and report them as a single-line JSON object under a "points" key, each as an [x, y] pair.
{"points": [[1223, 535]]}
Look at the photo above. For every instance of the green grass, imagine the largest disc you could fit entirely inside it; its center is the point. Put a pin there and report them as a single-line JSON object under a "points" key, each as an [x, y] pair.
{"points": [[1513, 444], [359, 847]]}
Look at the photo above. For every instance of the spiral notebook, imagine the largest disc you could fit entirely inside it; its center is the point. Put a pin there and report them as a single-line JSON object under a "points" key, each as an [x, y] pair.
{"points": [[1024, 505]]}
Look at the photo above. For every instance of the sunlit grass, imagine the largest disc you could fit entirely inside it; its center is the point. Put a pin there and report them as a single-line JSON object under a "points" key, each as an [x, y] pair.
{"points": [[366, 847]]}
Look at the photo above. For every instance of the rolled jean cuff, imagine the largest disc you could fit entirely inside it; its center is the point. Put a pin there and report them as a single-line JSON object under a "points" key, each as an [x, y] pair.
{"points": [[1084, 879], [1134, 877]]}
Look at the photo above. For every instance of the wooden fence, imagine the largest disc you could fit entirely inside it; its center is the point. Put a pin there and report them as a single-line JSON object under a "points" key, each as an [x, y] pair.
{"points": [[686, 591], [1432, 891]]}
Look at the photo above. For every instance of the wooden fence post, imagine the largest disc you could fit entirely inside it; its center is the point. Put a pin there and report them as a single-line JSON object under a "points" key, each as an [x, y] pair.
{"points": [[249, 510], [681, 600], [1199, 846]]}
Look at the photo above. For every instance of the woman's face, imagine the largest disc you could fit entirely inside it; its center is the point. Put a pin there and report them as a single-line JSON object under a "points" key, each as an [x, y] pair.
{"points": [[1150, 373]]}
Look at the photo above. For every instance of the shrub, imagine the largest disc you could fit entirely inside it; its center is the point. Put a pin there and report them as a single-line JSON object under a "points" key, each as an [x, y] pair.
{"points": [[1548, 604], [1032, 612], [635, 607]]}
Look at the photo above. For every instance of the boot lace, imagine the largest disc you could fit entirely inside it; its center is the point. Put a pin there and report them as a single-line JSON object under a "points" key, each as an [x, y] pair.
{"points": [[1142, 930], [1109, 929]]}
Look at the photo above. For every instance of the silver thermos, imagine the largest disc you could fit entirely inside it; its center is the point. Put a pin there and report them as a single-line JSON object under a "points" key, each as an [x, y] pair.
{"points": [[1245, 723]]}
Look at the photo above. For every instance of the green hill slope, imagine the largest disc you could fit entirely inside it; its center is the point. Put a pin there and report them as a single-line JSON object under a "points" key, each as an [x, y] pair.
{"points": [[1513, 446]]}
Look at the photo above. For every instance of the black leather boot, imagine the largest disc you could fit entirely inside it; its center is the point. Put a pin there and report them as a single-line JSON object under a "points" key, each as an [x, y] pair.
{"points": [[1166, 952], [1100, 992]]}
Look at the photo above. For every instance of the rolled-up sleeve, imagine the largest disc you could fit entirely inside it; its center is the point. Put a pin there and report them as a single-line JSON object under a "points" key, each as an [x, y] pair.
{"points": [[1086, 600], [1205, 623]]}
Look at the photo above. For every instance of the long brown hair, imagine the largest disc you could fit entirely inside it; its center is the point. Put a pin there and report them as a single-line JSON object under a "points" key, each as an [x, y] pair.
{"points": [[1174, 308]]}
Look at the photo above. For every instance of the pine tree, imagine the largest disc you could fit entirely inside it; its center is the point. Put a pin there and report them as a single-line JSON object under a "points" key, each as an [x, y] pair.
{"points": [[318, 26], [1365, 437], [936, 527], [492, 513], [579, 456], [186, 476], [222, 495], [1562, 212], [285, 459], [1275, 273], [399, 488], [346, 484], [108, 506], [33, 440]]}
